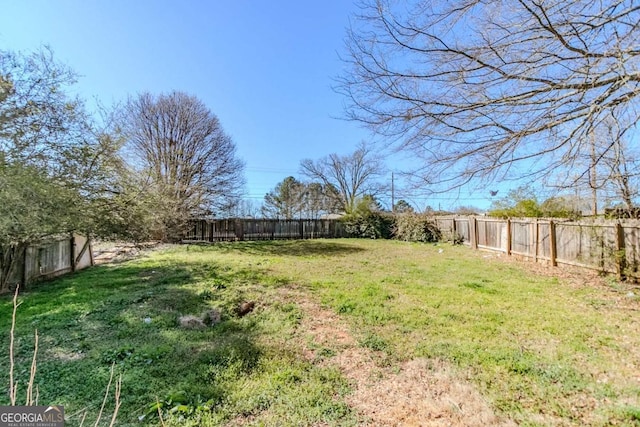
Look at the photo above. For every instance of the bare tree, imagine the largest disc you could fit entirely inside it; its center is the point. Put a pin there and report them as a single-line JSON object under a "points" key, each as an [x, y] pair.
{"points": [[320, 199], [494, 89], [613, 168], [245, 208], [623, 174], [190, 160], [353, 176]]}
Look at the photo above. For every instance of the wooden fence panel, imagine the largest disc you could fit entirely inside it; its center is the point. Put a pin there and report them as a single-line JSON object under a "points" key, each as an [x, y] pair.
{"points": [[51, 258], [523, 239], [263, 229], [483, 238], [445, 225], [631, 243], [544, 240], [463, 230], [492, 234], [586, 245], [47, 259]]}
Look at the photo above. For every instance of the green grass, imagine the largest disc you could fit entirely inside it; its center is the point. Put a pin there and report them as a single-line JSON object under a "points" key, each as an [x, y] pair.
{"points": [[539, 350]]}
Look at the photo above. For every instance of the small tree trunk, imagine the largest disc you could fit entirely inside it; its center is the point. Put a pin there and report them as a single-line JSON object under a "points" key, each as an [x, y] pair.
{"points": [[9, 260]]}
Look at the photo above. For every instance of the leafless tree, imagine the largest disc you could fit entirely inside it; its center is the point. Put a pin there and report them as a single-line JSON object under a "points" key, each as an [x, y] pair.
{"points": [[613, 168], [623, 174], [190, 160], [354, 175], [494, 89], [320, 199], [244, 208]]}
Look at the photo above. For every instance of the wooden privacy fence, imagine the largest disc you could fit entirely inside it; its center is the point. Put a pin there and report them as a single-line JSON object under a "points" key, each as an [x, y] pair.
{"points": [[612, 247], [51, 258], [263, 229]]}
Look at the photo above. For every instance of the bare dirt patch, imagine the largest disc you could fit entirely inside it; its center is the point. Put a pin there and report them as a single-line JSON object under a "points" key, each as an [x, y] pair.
{"points": [[419, 392], [105, 251]]}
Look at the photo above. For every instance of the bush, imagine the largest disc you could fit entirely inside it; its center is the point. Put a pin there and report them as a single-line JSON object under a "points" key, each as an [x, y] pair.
{"points": [[372, 225], [411, 227]]}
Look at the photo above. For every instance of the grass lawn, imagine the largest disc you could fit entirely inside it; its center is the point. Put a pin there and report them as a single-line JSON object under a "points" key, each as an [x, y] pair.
{"points": [[539, 350]]}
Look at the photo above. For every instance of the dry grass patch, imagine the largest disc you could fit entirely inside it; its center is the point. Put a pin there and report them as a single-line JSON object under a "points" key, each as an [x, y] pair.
{"points": [[416, 392]]}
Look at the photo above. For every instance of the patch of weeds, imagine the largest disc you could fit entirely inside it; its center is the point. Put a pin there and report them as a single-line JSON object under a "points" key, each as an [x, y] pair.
{"points": [[374, 342], [378, 315], [631, 413], [394, 280], [472, 285], [117, 355], [231, 358], [479, 286], [326, 352], [347, 307], [288, 376], [207, 295], [128, 356], [292, 312], [178, 405]]}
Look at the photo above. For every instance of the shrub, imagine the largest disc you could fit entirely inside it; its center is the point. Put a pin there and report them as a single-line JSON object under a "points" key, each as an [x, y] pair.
{"points": [[372, 225], [411, 227]]}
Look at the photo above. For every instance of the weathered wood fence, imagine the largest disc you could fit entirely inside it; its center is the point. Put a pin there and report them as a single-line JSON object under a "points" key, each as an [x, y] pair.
{"points": [[607, 246], [263, 229], [51, 258]]}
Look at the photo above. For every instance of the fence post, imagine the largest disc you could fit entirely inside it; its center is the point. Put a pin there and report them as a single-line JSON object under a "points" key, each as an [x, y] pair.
{"points": [[552, 243], [620, 255], [301, 228], [473, 232], [72, 252], [24, 278], [453, 230], [536, 236], [239, 229], [508, 248]]}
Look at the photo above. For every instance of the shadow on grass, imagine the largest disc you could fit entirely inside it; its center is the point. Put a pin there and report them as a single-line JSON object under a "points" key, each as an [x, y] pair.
{"points": [[127, 314], [289, 248]]}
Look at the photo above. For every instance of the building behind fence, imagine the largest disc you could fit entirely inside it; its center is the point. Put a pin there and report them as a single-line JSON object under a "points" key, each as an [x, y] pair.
{"points": [[52, 258], [612, 247], [263, 229]]}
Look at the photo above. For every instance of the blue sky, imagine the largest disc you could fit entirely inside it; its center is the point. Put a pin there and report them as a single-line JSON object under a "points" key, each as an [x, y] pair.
{"points": [[265, 68]]}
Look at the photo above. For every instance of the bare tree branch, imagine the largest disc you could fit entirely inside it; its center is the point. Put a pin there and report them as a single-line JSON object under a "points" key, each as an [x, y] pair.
{"points": [[191, 161], [493, 89], [353, 175]]}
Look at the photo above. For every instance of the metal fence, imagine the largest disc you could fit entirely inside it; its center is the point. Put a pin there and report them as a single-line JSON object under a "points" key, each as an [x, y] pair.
{"points": [[608, 246]]}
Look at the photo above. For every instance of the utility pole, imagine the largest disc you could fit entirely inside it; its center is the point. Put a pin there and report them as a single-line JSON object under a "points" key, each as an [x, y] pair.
{"points": [[393, 194], [593, 176]]}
